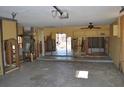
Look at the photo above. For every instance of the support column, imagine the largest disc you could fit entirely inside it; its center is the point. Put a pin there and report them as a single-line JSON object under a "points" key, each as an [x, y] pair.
{"points": [[43, 45]]}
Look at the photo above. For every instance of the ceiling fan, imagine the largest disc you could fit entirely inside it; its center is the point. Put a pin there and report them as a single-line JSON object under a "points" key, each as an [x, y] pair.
{"points": [[91, 26]]}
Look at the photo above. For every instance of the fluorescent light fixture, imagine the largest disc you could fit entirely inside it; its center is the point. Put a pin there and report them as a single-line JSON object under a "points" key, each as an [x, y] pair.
{"points": [[82, 74]]}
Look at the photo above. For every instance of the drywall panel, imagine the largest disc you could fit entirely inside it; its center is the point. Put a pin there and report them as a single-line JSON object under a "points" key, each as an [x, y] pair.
{"points": [[9, 29]]}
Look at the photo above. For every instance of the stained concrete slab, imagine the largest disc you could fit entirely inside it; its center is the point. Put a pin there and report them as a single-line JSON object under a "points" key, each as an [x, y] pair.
{"points": [[62, 74]]}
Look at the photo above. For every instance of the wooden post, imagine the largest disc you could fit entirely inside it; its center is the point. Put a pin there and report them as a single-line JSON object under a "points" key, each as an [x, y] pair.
{"points": [[32, 59], [43, 48], [121, 63]]}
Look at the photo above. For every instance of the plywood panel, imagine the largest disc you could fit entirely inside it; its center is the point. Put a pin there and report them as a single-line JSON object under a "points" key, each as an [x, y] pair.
{"points": [[9, 29]]}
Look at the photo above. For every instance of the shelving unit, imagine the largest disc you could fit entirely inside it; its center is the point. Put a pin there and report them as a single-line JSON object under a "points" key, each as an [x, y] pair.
{"points": [[11, 53], [9, 45]]}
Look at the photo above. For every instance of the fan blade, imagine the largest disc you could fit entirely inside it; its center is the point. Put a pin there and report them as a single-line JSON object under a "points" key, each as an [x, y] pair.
{"points": [[84, 28], [96, 27]]}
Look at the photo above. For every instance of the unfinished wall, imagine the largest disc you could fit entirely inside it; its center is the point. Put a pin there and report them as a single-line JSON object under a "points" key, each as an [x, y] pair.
{"points": [[37, 33], [37, 36], [20, 29], [76, 32]]}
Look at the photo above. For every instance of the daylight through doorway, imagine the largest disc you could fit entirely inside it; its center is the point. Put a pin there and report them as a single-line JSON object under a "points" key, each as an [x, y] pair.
{"points": [[63, 44]]}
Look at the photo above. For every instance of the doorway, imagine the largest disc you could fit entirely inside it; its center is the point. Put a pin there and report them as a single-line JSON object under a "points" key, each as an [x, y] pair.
{"points": [[63, 45]]}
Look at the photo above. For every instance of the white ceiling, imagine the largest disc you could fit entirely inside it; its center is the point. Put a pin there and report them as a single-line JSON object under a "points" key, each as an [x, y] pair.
{"points": [[78, 15]]}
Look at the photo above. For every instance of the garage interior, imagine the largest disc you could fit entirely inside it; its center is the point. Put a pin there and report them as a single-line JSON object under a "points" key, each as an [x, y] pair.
{"points": [[61, 46]]}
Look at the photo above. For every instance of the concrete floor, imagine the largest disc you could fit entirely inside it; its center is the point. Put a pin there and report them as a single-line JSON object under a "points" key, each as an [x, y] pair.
{"points": [[62, 74], [77, 59]]}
